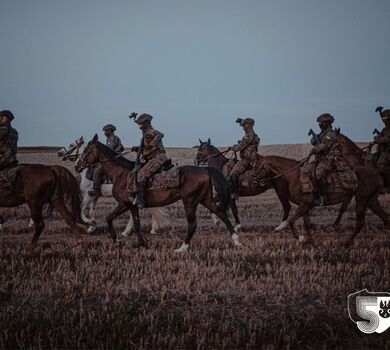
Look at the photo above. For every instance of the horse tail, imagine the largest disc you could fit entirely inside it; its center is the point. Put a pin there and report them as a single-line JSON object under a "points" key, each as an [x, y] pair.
{"points": [[68, 188], [221, 188]]}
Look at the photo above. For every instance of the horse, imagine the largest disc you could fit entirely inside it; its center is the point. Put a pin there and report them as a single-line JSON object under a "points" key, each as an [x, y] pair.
{"points": [[38, 185], [212, 156], [198, 185], [366, 194], [354, 156], [72, 153]]}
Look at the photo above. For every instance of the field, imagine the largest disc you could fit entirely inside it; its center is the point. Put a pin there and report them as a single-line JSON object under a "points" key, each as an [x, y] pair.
{"points": [[271, 293]]}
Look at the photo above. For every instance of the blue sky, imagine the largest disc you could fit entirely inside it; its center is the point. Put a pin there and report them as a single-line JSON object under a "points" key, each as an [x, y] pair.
{"points": [[69, 67]]}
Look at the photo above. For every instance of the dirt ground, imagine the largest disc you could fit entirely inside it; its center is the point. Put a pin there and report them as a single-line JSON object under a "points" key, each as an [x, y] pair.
{"points": [[272, 293]]}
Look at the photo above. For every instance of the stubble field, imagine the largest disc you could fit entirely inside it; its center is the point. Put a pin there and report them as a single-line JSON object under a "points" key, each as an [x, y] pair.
{"points": [[271, 293]]}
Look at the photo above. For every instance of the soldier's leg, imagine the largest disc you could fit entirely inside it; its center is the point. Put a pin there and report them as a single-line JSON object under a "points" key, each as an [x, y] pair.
{"points": [[97, 182], [234, 175], [320, 175]]}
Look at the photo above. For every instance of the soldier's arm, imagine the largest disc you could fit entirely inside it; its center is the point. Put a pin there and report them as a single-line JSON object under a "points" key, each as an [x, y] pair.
{"points": [[245, 142], [383, 137], [157, 137], [118, 145], [3, 131], [326, 143]]}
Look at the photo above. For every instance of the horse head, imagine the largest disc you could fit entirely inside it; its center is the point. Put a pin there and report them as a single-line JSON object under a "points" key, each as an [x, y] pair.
{"points": [[205, 150], [73, 151], [88, 155]]}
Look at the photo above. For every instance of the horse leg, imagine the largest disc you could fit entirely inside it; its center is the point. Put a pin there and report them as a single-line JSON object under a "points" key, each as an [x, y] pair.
{"points": [[342, 210], [210, 205], [377, 209], [60, 206], [282, 193], [37, 217], [233, 207], [361, 208], [302, 208], [128, 228], [137, 227], [307, 224], [119, 210], [190, 210]]}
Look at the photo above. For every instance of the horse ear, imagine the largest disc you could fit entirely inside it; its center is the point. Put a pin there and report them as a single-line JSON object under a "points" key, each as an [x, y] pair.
{"points": [[200, 141], [81, 138], [209, 141], [95, 138]]}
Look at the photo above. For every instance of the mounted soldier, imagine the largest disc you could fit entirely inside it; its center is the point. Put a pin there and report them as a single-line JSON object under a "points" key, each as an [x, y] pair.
{"points": [[247, 147], [114, 142], [382, 140], [151, 151], [328, 154], [8, 141]]}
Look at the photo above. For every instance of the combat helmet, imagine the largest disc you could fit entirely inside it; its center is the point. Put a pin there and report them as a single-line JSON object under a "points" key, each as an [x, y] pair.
{"points": [[109, 127], [325, 118], [8, 114], [242, 122]]}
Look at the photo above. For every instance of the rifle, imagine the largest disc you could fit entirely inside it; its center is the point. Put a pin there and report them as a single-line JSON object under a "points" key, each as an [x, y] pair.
{"points": [[315, 137], [376, 132], [138, 160]]}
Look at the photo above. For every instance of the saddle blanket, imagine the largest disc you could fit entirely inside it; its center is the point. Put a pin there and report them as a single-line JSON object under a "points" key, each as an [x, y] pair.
{"points": [[163, 180], [338, 181]]}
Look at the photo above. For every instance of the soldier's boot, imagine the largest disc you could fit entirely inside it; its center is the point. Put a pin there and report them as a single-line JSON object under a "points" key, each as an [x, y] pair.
{"points": [[97, 182], [322, 191], [140, 199], [234, 186]]}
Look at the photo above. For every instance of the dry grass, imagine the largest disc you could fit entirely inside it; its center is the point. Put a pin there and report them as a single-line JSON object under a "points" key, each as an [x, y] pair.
{"points": [[272, 293]]}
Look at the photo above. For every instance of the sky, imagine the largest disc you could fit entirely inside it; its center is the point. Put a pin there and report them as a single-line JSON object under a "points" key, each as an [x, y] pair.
{"points": [[67, 68]]}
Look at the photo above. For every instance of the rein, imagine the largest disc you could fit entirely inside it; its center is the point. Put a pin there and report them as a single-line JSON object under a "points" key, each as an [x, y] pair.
{"points": [[204, 160], [302, 161]]}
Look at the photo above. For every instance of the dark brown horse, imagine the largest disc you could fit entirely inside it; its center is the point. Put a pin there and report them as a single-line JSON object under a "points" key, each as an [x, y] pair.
{"points": [[210, 155], [355, 157], [39, 185], [196, 187], [366, 194]]}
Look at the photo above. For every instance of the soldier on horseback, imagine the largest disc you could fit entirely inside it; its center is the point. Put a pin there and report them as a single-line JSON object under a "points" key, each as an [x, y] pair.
{"points": [[114, 142], [247, 147], [328, 154], [382, 140], [8, 141], [152, 151]]}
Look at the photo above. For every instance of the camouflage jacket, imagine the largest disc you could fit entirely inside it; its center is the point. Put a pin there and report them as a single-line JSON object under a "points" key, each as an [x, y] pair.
{"points": [[328, 141], [8, 144], [383, 140], [153, 145], [114, 142], [248, 146]]}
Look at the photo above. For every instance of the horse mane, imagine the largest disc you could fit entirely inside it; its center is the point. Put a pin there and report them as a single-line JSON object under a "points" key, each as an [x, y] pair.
{"points": [[350, 143], [112, 155]]}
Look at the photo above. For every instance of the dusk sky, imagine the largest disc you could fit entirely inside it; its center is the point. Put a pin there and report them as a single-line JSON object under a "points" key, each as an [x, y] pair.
{"points": [[69, 67]]}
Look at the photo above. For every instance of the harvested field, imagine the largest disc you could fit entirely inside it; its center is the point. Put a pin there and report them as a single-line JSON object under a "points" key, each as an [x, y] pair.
{"points": [[272, 293]]}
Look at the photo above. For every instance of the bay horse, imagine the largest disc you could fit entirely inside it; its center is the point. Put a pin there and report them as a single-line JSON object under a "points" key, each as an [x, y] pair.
{"points": [[88, 207], [354, 155], [39, 185], [366, 194], [206, 186], [213, 157]]}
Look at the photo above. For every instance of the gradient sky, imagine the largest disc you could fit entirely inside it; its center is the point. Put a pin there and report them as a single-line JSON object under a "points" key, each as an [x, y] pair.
{"points": [[69, 67]]}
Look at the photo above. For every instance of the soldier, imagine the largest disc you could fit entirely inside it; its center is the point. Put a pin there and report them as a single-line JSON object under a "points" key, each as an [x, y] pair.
{"points": [[383, 141], [114, 142], [328, 155], [152, 152], [247, 147], [8, 141]]}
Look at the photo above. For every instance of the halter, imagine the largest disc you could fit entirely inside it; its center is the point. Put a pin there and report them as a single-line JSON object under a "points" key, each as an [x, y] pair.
{"points": [[73, 157], [205, 159]]}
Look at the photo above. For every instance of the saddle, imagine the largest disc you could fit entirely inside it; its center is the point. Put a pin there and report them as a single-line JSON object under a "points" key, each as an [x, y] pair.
{"points": [[338, 181], [248, 178]]}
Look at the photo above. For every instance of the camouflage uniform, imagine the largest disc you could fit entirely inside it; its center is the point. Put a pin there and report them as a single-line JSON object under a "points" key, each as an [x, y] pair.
{"points": [[8, 143], [114, 142], [383, 142], [152, 152], [247, 147]]}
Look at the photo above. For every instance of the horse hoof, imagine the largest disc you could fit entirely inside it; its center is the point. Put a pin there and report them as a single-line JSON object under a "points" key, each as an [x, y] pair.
{"points": [[153, 232], [124, 234], [91, 229], [282, 225], [183, 248], [301, 238]]}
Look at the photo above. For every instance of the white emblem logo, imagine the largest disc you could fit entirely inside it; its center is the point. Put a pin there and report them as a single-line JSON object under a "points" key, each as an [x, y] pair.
{"points": [[370, 310]]}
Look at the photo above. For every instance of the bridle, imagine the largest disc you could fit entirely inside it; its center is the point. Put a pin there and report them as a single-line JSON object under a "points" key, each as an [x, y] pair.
{"points": [[68, 153], [82, 160], [204, 159]]}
